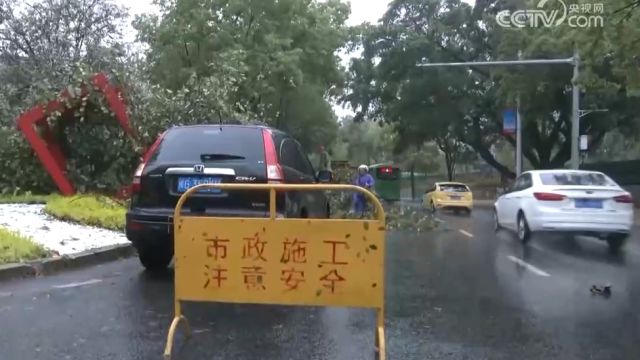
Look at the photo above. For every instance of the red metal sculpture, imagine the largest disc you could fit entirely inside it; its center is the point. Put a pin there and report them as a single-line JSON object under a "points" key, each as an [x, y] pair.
{"points": [[46, 147]]}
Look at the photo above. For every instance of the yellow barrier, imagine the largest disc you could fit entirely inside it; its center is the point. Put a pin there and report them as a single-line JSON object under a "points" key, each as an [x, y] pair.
{"points": [[312, 262]]}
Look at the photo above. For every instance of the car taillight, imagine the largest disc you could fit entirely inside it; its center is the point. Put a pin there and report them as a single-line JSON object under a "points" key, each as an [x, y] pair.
{"points": [[625, 199], [548, 196], [137, 176], [274, 170], [132, 225]]}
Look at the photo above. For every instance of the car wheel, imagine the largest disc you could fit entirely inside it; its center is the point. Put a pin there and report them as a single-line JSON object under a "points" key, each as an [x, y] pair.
{"points": [[524, 233], [616, 241], [496, 221], [433, 207], [155, 259]]}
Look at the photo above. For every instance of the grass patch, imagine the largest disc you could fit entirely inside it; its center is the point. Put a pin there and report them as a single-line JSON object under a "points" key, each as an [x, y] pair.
{"points": [[94, 210], [23, 199], [17, 248]]}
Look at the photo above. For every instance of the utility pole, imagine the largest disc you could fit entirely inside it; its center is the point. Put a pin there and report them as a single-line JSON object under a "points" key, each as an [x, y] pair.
{"points": [[575, 116], [519, 123]]}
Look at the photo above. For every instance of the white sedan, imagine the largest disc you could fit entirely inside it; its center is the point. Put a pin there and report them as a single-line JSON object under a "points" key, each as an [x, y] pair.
{"points": [[569, 201]]}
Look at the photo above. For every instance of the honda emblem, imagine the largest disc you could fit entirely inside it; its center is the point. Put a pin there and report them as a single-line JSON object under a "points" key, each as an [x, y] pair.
{"points": [[198, 168]]}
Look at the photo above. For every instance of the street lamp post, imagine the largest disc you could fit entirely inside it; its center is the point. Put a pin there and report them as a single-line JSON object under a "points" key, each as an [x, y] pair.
{"points": [[519, 123], [575, 117]]}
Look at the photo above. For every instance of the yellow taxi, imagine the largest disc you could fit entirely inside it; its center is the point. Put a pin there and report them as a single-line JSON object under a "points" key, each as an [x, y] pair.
{"points": [[448, 195]]}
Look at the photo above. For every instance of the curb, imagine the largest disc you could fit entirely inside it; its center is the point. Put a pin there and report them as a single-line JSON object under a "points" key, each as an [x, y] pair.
{"points": [[12, 271], [50, 266]]}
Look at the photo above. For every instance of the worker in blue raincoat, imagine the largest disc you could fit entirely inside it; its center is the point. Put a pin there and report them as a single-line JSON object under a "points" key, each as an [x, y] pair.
{"points": [[365, 180]]}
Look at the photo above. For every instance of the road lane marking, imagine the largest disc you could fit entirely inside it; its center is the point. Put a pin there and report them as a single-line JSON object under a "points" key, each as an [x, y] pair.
{"points": [[76, 284], [466, 233], [528, 266]]}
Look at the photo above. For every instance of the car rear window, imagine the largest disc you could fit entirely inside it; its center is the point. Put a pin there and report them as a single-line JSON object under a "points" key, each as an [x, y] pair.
{"points": [[203, 144], [453, 188], [577, 178], [388, 173]]}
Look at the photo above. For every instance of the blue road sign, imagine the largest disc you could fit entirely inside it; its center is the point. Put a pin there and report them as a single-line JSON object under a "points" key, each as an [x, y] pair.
{"points": [[509, 121]]}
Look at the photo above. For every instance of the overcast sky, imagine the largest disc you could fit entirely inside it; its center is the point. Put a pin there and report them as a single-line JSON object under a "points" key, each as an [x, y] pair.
{"points": [[361, 11]]}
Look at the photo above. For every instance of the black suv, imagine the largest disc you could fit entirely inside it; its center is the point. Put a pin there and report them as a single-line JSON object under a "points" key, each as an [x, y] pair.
{"points": [[185, 156]]}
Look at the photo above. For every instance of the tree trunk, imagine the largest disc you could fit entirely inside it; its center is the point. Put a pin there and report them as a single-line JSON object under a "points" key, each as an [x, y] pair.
{"points": [[450, 160], [476, 142], [450, 154], [450, 167], [486, 155]]}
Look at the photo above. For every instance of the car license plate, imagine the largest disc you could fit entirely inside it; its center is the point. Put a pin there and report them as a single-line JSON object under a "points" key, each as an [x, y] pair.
{"points": [[455, 197], [588, 204], [187, 182]]}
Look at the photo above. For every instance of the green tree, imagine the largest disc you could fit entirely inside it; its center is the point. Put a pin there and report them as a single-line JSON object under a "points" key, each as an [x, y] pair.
{"points": [[45, 46], [466, 104], [365, 143], [284, 50], [48, 46], [546, 93]]}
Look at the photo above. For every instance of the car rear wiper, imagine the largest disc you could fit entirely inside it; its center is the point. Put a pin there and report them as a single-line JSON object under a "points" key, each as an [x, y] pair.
{"points": [[209, 157]]}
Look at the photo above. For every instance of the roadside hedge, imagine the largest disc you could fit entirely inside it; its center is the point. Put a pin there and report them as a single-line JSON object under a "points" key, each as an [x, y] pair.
{"points": [[21, 169]]}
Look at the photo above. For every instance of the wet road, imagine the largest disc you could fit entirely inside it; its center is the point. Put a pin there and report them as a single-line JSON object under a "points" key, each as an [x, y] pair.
{"points": [[463, 292]]}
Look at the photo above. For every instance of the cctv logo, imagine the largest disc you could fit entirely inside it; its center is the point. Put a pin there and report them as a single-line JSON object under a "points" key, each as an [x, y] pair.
{"points": [[575, 15]]}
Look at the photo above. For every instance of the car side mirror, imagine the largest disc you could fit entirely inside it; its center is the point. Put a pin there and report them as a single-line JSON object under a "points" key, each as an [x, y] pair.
{"points": [[325, 176]]}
